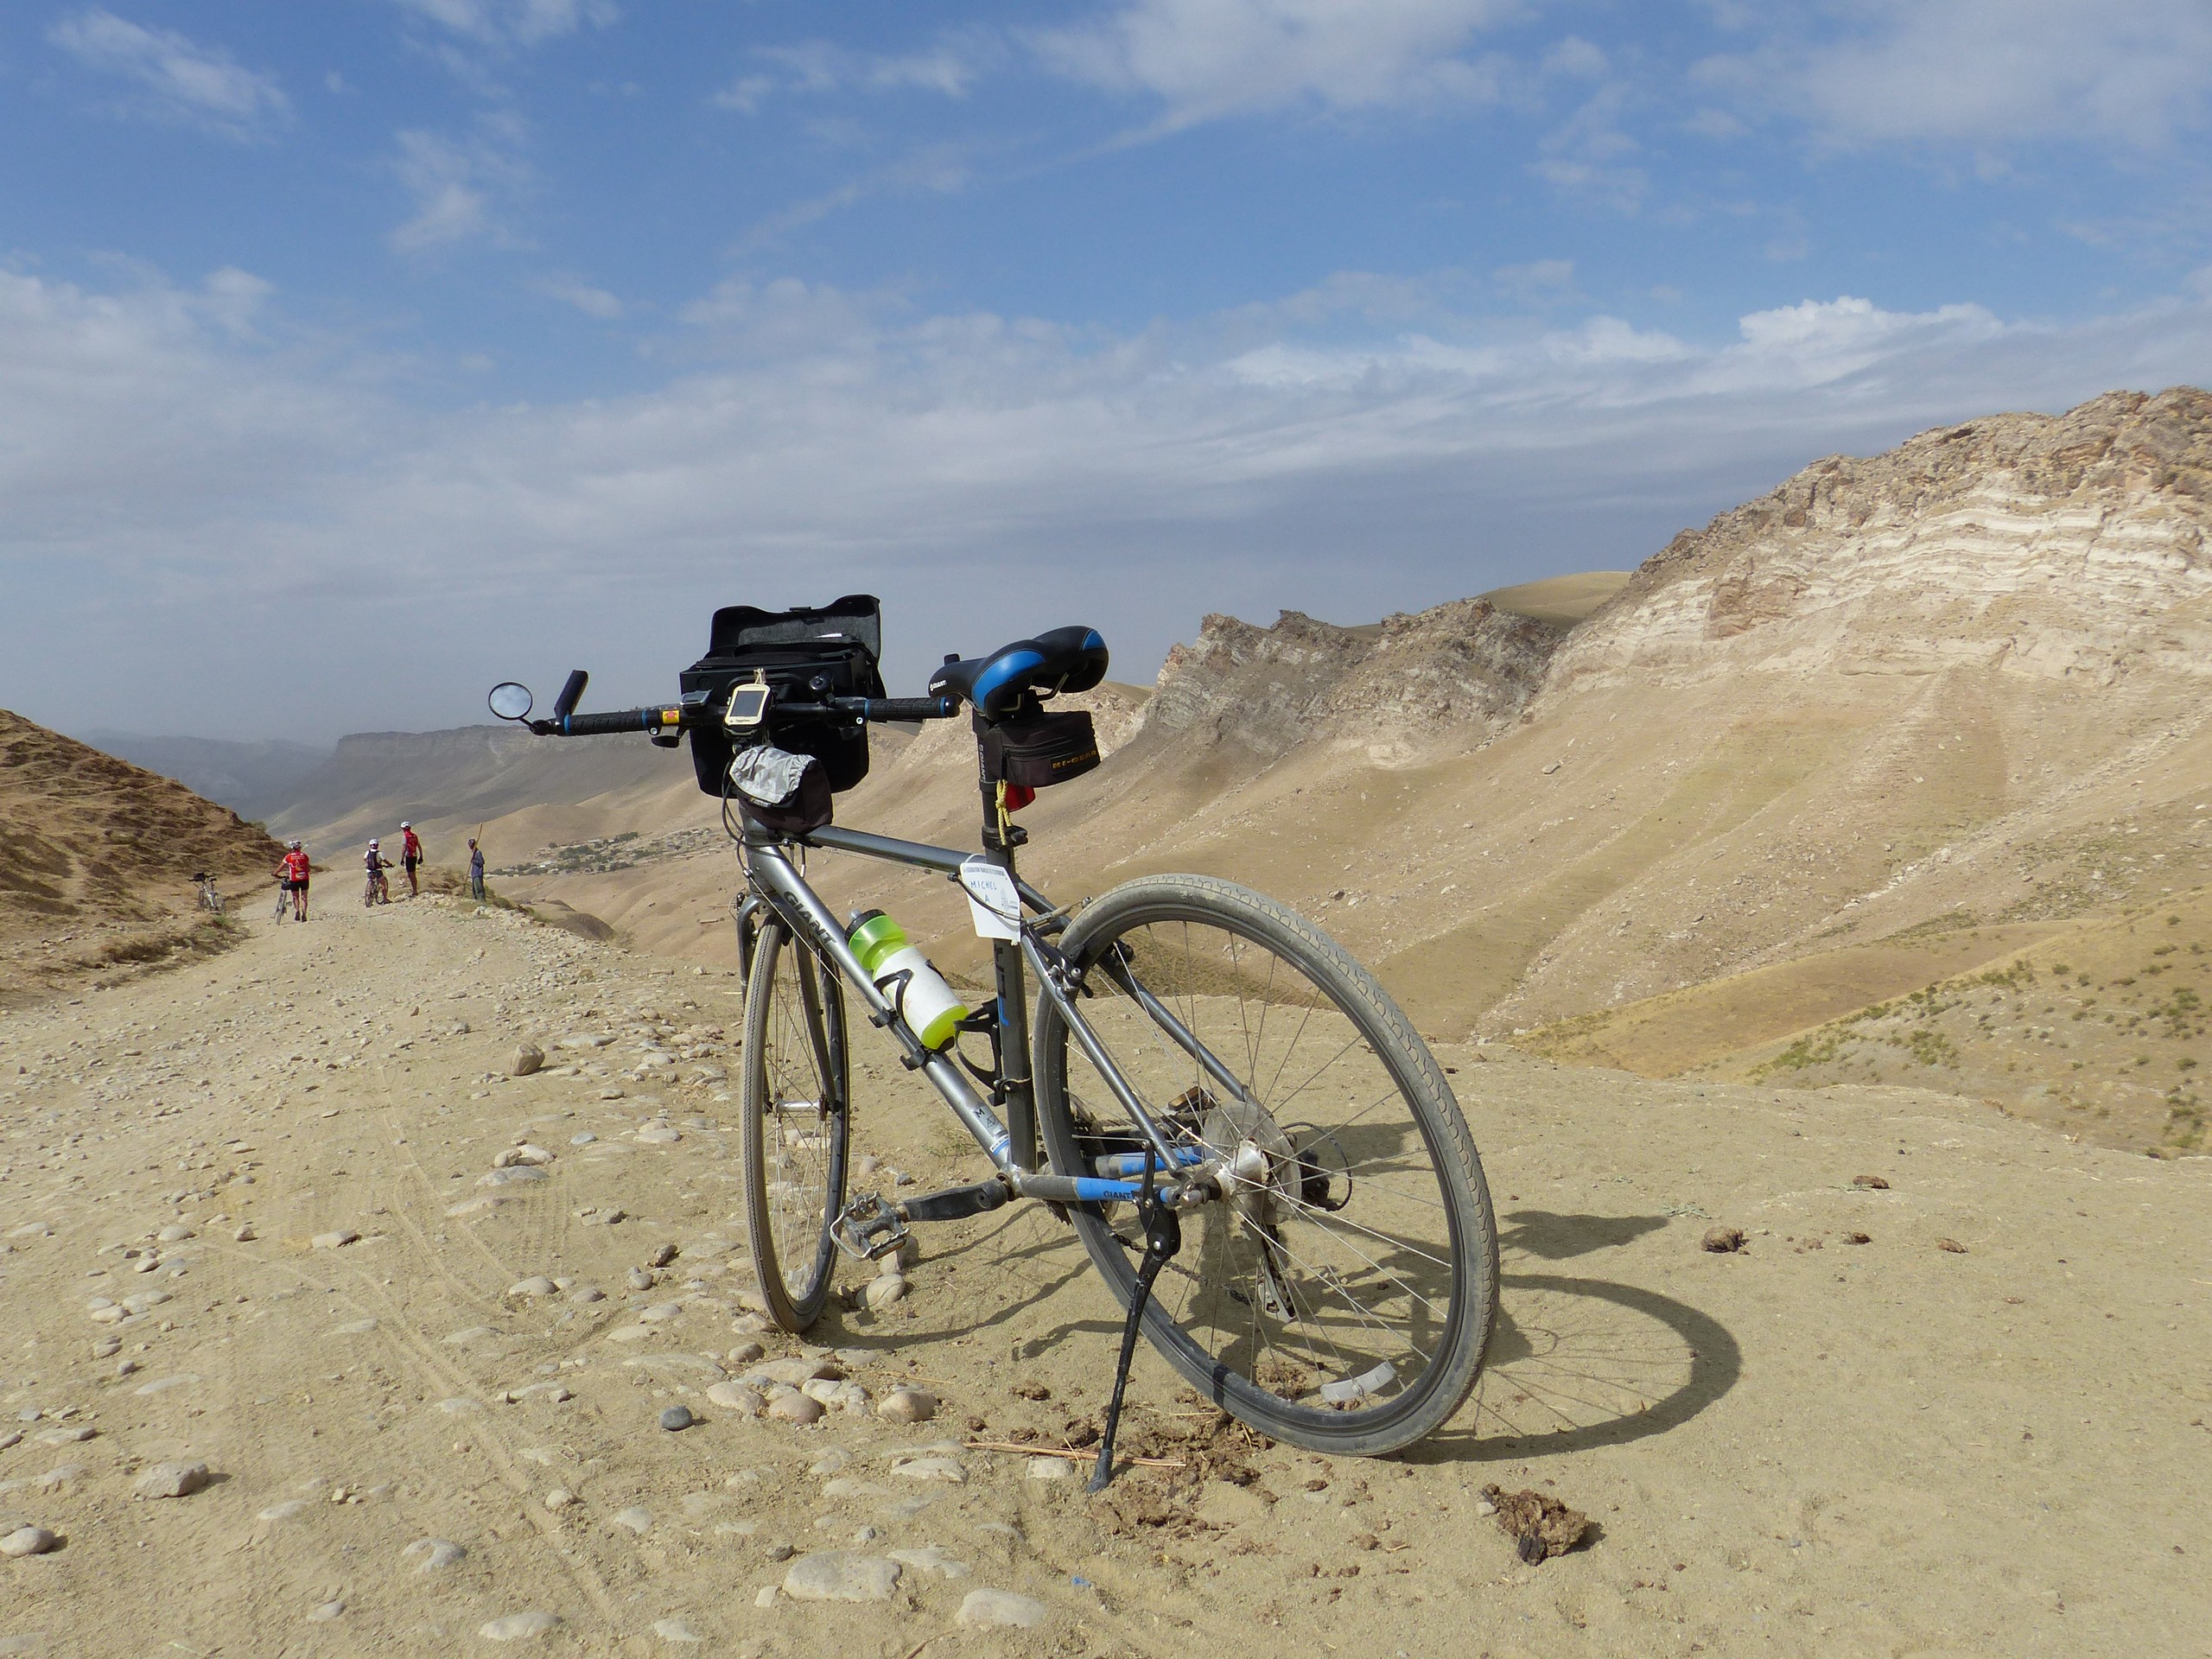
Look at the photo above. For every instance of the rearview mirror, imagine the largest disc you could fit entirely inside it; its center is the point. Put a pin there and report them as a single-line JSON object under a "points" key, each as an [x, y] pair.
{"points": [[511, 701]]}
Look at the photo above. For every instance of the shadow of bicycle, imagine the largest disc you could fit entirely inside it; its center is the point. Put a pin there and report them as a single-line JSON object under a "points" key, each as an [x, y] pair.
{"points": [[1577, 1363]]}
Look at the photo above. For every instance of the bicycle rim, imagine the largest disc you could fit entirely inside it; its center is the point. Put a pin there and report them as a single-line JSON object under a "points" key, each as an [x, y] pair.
{"points": [[1341, 1298], [796, 1124]]}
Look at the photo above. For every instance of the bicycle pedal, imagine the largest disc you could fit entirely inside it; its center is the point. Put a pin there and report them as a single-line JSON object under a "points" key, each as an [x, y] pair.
{"points": [[868, 1229]]}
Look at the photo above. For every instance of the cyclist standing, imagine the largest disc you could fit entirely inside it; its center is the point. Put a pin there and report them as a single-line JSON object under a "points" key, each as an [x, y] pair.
{"points": [[296, 869], [379, 887], [475, 872], [410, 855]]}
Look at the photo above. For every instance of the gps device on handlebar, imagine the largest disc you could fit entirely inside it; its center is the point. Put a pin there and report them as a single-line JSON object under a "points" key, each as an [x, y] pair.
{"points": [[758, 661]]}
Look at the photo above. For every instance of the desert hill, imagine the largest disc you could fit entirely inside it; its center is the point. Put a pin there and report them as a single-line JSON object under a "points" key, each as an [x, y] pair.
{"points": [[253, 779], [1895, 722], [96, 858]]}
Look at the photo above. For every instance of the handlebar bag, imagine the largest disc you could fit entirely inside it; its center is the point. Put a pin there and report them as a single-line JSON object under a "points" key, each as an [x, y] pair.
{"points": [[780, 791], [838, 643], [1038, 750]]}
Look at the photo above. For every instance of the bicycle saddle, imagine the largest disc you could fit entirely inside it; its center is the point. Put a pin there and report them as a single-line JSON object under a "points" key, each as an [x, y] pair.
{"points": [[1064, 659]]}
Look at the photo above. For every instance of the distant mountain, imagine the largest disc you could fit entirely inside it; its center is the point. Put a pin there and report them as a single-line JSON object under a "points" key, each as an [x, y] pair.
{"points": [[256, 780]]}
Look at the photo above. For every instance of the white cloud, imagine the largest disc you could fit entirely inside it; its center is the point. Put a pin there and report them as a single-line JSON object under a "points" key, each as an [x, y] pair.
{"points": [[592, 301], [460, 185], [176, 80], [206, 509], [513, 22], [2135, 73], [1207, 58], [949, 68]]}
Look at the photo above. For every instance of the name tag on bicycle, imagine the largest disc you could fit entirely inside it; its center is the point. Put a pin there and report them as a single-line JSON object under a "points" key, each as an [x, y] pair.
{"points": [[993, 903]]}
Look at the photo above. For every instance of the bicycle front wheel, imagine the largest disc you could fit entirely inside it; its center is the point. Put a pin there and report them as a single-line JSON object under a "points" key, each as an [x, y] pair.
{"points": [[1340, 1296], [794, 1100]]}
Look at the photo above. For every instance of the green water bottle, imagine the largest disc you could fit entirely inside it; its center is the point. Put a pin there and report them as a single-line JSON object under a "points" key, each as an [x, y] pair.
{"points": [[930, 1006]]}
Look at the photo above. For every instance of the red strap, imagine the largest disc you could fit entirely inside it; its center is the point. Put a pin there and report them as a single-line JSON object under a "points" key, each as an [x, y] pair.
{"points": [[1019, 795]]}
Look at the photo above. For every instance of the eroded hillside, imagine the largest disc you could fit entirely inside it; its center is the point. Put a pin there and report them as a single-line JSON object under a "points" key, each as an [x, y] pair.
{"points": [[96, 858]]}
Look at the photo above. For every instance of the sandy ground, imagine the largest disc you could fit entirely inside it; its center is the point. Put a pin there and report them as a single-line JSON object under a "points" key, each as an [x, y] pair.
{"points": [[1809, 1446]]}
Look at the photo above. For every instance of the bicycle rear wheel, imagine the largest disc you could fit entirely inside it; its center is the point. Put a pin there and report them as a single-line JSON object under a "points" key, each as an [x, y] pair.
{"points": [[795, 1099], [1341, 1297]]}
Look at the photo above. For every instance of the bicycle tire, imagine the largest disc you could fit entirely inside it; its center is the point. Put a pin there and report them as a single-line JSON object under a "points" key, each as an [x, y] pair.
{"points": [[1291, 1300], [796, 1066]]}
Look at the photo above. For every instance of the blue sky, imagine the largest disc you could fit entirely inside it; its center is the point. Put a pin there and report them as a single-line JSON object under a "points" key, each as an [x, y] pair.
{"points": [[354, 354]]}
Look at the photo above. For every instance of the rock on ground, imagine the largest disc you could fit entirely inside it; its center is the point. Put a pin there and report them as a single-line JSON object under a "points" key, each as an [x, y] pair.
{"points": [[989, 1609], [841, 1575]]}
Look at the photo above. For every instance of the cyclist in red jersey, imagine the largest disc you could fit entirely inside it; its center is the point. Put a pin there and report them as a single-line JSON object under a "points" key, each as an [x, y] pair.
{"points": [[410, 855], [297, 869]]}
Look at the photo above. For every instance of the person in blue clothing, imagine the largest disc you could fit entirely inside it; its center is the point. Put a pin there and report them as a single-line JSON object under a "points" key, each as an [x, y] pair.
{"points": [[475, 872]]}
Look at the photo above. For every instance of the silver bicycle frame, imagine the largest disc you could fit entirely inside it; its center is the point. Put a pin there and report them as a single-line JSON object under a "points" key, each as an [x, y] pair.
{"points": [[800, 908]]}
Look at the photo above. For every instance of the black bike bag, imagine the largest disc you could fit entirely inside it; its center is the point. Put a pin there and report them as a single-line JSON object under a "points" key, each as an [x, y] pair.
{"points": [[838, 643], [1038, 750], [786, 792]]}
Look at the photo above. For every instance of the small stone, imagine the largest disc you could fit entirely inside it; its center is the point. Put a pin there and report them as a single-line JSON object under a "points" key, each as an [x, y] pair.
{"points": [[1050, 1469], [907, 1406], [107, 1347], [536, 1285], [790, 1373], [28, 1540], [677, 1418], [997, 1609], [750, 1325], [738, 1399], [660, 1313], [659, 1135], [841, 1575], [881, 1292], [744, 1354], [245, 1235], [522, 1155], [638, 1520], [1952, 1245], [527, 1059], [509, 1175], [661, 1257], [559, 1498], [518, 1627], [766, 1598], [932, 1468], [284, 1511], [433, 1554], [1724, 1241], [639, 1278], [674, 1629], [586, 1293], [174, 1234], [583, 1140], [328, 1610], [172, 1480], [1869, 1183], [869, 1164], [795, 1408], [337, 1238]]}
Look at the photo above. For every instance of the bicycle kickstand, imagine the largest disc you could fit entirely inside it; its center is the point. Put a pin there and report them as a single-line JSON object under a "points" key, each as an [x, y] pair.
{"points": [[1163, 1237]]}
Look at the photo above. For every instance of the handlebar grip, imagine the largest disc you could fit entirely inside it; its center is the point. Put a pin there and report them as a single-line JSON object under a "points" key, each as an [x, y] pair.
{"points": [[666, 719]]}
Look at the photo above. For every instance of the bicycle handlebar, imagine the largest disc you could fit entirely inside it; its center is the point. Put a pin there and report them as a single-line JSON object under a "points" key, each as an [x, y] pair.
{"points": [[667, 718], [670, 717]]}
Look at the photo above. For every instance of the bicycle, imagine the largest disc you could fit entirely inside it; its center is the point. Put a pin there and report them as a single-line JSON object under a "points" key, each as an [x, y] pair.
{"points": [[210, 900], [1197, 1054]]}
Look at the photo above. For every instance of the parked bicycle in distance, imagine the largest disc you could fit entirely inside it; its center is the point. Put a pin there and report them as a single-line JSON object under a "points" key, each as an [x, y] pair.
{"points": [[1260, 1155]]}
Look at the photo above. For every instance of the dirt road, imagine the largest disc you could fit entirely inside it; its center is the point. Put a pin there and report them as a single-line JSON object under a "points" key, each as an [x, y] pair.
{"points": [[250, 1219]]}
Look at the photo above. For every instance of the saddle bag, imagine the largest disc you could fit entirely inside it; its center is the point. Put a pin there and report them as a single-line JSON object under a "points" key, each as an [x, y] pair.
{"points": [[1038, 750], [839, 644], [780, 791]]}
